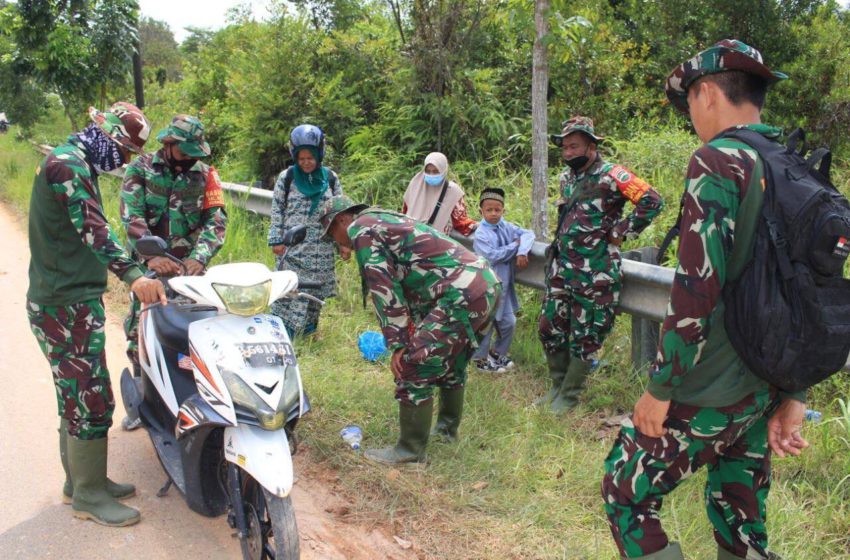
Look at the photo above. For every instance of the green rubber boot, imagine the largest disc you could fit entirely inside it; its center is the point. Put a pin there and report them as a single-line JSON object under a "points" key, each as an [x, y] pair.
{"points": [[115, 489], [571, 387], [558, 363], [449, 414], [87, 464], [415, 426], [671, 552]]}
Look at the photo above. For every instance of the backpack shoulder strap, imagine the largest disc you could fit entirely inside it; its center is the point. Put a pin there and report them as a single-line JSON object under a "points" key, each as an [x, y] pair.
{"points": [[672, 233], [767, 148], [288, 177]]}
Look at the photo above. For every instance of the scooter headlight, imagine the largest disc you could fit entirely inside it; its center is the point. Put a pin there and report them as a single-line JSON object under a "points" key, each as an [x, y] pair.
{"points": [[291, 395], [244, 300], [242, 395], [245, 397]]}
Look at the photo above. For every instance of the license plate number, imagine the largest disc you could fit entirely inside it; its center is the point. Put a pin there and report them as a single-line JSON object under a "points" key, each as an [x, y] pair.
{"points": [[266, 354]]}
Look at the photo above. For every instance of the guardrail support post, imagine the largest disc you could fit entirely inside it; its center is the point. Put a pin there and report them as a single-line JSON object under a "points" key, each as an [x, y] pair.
{"points": [[644, 331]]}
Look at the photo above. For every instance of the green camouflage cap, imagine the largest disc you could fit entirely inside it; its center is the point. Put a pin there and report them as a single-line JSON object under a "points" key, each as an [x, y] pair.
{"points": [[188, 133], [576, 124], [725, 55], [125, 123], [334, 206]]}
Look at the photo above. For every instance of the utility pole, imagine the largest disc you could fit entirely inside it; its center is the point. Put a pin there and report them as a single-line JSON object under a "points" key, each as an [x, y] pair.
{"points": [[138, 81], [539, 122]]}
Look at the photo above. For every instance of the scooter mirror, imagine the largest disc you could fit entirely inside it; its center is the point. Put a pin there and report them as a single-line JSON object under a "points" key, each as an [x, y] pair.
{"points": [[294, 235], [151, 246]]}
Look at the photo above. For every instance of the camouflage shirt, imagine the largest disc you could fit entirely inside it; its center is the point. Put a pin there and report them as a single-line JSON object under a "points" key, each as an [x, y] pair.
{"points": [[408, 266], [594, 203], [186, 209], [687, 368], [71, 242]]}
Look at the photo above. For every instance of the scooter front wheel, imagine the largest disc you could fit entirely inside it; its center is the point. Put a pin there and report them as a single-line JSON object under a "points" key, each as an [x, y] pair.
{"points": [[272, 532]]}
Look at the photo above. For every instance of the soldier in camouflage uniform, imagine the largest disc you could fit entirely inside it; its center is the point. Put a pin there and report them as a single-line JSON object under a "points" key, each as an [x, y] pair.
{"points": [[72, 246], [583, 273], [703, 407], [434, 300], [173, 195]]}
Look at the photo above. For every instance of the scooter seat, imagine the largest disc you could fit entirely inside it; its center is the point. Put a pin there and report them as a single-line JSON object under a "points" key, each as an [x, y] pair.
{"points": [[172, 325]]}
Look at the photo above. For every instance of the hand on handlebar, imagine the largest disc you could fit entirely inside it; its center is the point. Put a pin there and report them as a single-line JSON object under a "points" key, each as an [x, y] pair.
{"points": [[163, 266], [279, 249], [148, 290], [193, 267]]}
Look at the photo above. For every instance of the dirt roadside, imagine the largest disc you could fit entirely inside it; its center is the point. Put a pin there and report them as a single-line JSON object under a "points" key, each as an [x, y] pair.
{"points": [[35, 524]]}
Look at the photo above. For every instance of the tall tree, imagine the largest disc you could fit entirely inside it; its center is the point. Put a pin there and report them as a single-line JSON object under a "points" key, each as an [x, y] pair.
{"points": [[161, 58], [73, 46]]}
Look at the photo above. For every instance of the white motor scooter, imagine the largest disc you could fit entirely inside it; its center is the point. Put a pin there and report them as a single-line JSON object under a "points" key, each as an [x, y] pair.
{"points": [[220, 394]]}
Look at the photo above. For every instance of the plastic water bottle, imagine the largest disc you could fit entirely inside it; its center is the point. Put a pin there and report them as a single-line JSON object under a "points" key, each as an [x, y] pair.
{"points": [[352, 435], [372, 345], [813, 415]]}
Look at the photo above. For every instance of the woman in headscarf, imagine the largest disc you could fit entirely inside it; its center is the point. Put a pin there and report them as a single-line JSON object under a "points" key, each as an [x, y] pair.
{"points": [[299, 193], [435, 200]]}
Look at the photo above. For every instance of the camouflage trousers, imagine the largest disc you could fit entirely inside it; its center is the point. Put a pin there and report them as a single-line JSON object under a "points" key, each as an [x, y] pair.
{"points": [[577, 318], [72, 338], [131, 330], [730, 441], [442, 343]]}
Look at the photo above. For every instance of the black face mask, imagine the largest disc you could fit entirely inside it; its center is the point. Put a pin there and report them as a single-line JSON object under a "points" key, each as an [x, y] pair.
{"points": [[179, 165], [577, 162]]}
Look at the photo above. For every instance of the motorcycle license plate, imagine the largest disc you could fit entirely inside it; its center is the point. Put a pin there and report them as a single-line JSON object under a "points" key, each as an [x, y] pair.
{"points": [[266, 354]]}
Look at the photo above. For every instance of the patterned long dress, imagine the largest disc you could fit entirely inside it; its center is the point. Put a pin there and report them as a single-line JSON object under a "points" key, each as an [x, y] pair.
{"points": [[312, 259]]}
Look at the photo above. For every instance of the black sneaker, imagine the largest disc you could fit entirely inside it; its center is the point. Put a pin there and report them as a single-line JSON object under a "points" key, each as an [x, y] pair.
{"points": [[503, 363], [487, 364]]}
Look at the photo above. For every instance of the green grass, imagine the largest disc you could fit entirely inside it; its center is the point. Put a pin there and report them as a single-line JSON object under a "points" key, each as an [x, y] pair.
{"points": [[519, 483]]}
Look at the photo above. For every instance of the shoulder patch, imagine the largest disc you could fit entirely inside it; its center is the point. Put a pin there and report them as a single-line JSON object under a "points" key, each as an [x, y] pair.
{"points": [[632, 187], [213, 195]]}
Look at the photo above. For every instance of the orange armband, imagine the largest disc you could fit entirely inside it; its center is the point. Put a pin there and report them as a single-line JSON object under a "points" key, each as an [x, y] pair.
{"points": [[632, 187], [213, 194]]}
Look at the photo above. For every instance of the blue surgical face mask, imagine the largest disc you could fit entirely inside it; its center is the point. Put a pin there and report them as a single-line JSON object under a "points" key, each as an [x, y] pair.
{"points": [[433, 180]]}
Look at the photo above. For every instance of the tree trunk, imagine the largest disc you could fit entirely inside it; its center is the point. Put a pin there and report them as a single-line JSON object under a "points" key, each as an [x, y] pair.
{"points": [[68, 112], [138, 80], [539, 122]]}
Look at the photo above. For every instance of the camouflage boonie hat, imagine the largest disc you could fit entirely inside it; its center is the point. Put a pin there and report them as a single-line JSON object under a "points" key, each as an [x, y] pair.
{"points": [[334, 206], [125, 123], [188, 133], [725, 55], [576, 124]]}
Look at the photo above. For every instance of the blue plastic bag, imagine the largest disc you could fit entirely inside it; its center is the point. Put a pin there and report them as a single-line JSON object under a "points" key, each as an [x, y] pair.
{"points": [[372, 345]]}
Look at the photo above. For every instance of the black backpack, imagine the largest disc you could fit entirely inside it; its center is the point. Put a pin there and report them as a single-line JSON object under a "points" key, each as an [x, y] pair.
{"points": [[787, 314]]}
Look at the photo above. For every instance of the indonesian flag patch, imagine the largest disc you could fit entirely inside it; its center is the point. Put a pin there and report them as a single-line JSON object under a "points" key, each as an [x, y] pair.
{"points": [[842, 248], [213, 195], [632, 187]]}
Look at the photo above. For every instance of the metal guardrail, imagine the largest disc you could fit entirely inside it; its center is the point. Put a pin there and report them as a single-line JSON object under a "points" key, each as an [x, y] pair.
{"points": [[645, 292], [646, 287]]}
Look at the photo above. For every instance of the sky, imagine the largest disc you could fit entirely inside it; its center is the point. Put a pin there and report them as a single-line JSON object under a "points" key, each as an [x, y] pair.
{"points": [[179, 14]]}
